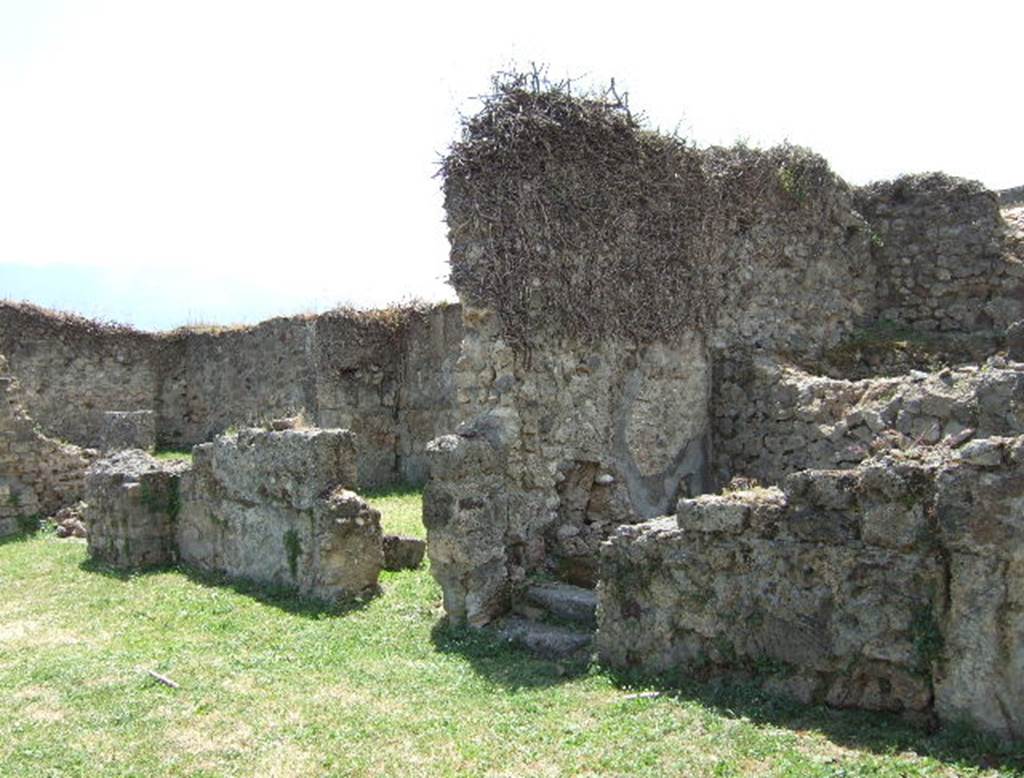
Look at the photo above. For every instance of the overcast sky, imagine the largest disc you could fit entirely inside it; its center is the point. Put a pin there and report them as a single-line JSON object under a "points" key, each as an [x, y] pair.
{"points": [[164, 162]]}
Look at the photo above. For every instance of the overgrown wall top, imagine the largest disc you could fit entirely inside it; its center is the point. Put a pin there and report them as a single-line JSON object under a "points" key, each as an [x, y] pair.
{"points": [[569, 219]]}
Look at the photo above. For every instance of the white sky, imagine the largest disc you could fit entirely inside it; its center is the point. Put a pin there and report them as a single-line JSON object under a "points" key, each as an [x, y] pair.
{"points": [[171, 162]]}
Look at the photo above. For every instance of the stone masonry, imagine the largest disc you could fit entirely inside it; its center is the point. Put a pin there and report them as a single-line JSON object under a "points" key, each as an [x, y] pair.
{"points": [[277, 508], [849, 378], [894, 585], [385, 375], [38, 475], [128, 429], [273, 508], [132, 506]]}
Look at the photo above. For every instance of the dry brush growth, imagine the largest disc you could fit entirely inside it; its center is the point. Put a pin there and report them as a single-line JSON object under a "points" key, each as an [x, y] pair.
{"points": [[568, 215]]}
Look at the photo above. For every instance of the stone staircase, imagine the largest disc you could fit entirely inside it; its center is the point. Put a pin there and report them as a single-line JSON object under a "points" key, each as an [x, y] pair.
{"points": [[554, 620]]}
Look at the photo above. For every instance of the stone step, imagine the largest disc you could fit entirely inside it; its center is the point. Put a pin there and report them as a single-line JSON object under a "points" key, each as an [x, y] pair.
{"points": [[545, 640], [565, 601]]}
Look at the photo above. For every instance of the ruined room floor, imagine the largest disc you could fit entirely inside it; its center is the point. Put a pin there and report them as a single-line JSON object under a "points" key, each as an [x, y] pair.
{"points": [[272, 685]]}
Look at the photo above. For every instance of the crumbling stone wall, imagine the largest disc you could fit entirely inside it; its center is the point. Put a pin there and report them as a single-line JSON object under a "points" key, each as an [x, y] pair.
{"points": [[892, 586], [628, 301], [38, 475], [387, 375], [392, 386], [73, 370], [771, 420], [602, 271], [939, 248]]}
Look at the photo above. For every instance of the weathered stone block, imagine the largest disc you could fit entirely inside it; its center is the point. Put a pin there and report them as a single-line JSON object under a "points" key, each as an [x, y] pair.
{"points": [[275, 508], [132, 507]]}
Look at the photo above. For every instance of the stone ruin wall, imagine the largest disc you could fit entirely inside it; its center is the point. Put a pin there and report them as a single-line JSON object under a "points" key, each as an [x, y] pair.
{"points": [[552, 455], [38, 475], [863, 583], [896, 585], [949, 286], [940, 248], [396, 394], [594, 435], [590, 433], [773, 419], [270, 507]]}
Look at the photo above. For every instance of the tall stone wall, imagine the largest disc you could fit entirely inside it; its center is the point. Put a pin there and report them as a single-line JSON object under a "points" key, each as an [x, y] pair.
{"points": [[241, 376], [554, 453], [72, 370], [38, 475], [387, 376], [603, 270], [395, 390]]}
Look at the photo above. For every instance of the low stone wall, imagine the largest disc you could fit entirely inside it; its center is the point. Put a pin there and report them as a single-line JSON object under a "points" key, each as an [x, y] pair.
{"points": [[771, 420], [891, 586], [38, 475], [275, 508]]}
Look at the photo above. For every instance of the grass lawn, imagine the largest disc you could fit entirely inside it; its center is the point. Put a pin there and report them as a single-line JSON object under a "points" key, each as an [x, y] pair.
{"points": [[271, 685]]}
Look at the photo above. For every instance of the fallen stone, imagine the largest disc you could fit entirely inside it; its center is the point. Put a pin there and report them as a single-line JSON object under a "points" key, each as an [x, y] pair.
{"points": [[69, 521], [403, 553]]}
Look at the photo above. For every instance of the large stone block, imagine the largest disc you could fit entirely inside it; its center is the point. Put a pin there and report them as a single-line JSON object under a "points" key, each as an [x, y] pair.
{"points": [[133, 502], [276, 508]]}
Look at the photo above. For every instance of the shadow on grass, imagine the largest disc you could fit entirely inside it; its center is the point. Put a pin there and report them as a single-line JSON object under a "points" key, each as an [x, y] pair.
{"points": [[501, 662], [959, 747], [284, 598], [17, 537]]}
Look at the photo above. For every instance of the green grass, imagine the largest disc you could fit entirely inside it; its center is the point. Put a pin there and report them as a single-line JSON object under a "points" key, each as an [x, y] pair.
{"points": [[274, 685], [401, 510]]}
